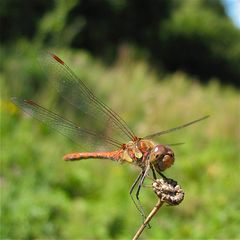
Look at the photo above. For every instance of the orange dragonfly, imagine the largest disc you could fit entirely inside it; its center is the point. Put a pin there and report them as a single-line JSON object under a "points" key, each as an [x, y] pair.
{"points": [[103, 126]]}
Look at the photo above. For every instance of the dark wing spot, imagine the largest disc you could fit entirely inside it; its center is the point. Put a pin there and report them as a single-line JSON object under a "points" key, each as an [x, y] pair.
{"points": [[58, 59], [31, 102]]}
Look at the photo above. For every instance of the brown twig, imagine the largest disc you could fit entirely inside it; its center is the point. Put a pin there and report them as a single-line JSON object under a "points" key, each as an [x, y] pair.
{"points": [[148, 219]]}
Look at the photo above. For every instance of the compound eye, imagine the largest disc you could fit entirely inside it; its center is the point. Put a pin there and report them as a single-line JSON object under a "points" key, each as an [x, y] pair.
{"points": [[158, 151]]}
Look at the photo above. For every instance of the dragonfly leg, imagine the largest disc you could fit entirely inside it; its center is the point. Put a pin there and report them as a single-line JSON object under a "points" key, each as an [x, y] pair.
{"points": [[173, 182], [143, 176], [136, 181], [153, 172], [145, 172], [162, 175], [138, 206]]}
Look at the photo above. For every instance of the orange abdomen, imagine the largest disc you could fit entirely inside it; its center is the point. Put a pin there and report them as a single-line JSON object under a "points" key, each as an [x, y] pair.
{"points": [[114, 155]]}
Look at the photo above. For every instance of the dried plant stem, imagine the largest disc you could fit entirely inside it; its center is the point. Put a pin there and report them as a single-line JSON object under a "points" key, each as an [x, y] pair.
{"points": [[148, 219]]}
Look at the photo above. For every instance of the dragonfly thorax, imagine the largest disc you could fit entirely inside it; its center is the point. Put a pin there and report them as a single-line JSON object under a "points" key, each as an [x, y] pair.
{"points": [[136, 151], [139, 152]]}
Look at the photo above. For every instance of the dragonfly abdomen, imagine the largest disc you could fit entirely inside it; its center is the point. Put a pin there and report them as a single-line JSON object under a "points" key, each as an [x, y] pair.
{"points": [[113, 155]]}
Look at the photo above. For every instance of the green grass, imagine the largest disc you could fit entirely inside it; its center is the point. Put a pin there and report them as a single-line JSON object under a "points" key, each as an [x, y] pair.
{"points": [[44, 197]]}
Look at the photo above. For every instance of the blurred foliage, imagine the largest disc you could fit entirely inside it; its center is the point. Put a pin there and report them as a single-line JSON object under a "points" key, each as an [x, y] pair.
{"points": [[192, 36], [202, 43], [46, 198]]}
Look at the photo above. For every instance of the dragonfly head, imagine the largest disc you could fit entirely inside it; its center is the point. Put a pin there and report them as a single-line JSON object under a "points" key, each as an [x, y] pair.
{"points": [[162, 157]]}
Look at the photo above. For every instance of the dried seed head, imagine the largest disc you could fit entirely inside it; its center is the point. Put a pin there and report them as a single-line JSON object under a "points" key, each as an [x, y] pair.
{"points": [[168, 191]]}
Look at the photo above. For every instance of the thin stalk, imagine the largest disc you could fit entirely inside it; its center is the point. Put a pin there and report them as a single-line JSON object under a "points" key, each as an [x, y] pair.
{"points": [[148, 219]]}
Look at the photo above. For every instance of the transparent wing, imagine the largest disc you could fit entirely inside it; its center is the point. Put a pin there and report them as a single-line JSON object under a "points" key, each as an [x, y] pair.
{"points": [[157, 134], [93, 113], [69, 129]]}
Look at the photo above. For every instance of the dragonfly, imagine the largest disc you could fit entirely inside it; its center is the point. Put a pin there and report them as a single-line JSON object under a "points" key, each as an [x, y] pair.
{"points": [[103, 127]]}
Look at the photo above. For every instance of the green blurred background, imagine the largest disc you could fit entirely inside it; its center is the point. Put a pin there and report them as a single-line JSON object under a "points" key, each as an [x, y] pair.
{"points": [[158, 63]]}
